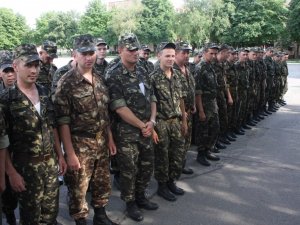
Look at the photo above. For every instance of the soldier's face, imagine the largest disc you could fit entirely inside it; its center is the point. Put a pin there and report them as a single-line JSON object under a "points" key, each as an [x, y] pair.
{"points": [[145, 54], [27, 73], [269, 53], [101, 51], [45, 58], [166, 58], [182, 57], [197, 59], [252, 56], [232, 57], [243, 56], [211, 55], [129, 56], [85, 60], [8, 76]]}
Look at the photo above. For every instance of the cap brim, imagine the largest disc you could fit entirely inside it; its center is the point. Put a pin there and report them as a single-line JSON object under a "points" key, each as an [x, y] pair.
{"points": [[86, 49], [32, 58], [53, 55], [169, 45], [131, 48], [4, 66], [101, 43]]}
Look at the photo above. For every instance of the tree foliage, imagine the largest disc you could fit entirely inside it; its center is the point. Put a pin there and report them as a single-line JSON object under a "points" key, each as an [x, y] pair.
{"points": [[59, 27], [95, 19], [293, 23], [12, 29]]}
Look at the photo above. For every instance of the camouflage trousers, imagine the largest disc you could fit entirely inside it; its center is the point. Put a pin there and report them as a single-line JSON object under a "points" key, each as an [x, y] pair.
{"points": [[262, 98], [188, 136], [9, 199], [135, 161], [270, 90], [39, 203], [93, 156], [242, 112], [232, 110], [223, 116], [170, 151]]}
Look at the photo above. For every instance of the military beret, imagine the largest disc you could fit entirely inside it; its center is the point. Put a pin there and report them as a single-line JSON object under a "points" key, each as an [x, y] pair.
{"points": [[26, 52], [6, 59], [51, 48], [84, 43], [129, 41], [100, 41], [145, 48], [182, 46], [164, 45]]}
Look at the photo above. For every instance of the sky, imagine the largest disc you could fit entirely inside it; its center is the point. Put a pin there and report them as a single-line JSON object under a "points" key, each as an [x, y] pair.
{"points": [[32, 9]]}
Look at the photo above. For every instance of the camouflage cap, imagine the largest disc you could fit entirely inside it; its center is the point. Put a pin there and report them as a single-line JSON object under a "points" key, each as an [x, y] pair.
{"points": [[6, 59], [100, 41], [243, 50], [224, 47], [253, 49], [271, 49], [164, 45], [26, 52], [84, 43], [260, 50], [129, 41], [51, 48], [145, 48], [183, 46], [210, 46]]}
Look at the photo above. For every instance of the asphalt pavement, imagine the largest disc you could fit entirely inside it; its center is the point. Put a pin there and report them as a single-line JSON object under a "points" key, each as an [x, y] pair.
{"points": [[257, 181]]}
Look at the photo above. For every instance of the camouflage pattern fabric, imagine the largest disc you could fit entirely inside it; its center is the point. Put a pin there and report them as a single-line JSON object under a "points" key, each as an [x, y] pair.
{"points": [[270, 79], [84, 43], [169, 152], [100, 68], [277, 80], [50, 47], [46, 74], [135, 153], [6, 59], [285, 74], [207, 86], [252, 88], [31, 143], [149, 66], [263, 76], [26, 52], [58, 74]]}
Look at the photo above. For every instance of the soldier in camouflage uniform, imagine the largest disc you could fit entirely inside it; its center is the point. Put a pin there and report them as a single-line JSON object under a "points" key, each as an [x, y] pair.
{"points": [[29, 117], [144, 58], [223, 94], [243, 86], [207, 123], [47, 69], [8, 75], [81, 107], [197, 58], [278, 75], [4, 142], [270, 79], [188, 85], [285, 74], [133, 103], [101, 64], [171, 123]]}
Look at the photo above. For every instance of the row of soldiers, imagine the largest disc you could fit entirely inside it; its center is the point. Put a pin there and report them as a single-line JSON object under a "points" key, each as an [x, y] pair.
{"points": [[73, 120]]}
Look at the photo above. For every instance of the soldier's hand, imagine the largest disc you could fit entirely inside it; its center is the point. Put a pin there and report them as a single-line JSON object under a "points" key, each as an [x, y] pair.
{"points": [[184, 128], [73, 162], [147, 130], [112, 148], [62, 166], [202, 116], [155, 137], [230, 101], [17, 182]]}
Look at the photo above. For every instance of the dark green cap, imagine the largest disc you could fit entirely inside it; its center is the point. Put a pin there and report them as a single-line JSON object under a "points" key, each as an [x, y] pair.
{"points": [[51, 48], [243, 50], [211, 46], [183, 46], [84, 43], [145, 48], [129, 41], [6, 59], [224, 47], [100, 41], [26, 52], [164, 45]]}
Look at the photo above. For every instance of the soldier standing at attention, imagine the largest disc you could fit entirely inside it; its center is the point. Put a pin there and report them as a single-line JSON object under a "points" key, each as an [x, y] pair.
{"points": [[81, 107], [182, 54], [207, 124], [101, 50], [29, 117], [171, 123], [144, 58], [47, 69], [134, 105], [270, 79], [8, 75]]}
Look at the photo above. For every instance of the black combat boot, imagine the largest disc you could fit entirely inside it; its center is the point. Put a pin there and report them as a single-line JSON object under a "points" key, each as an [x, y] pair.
{"points": [[210, 156], [133, 211], [100, 217], [215, 150], [229, 137], [117, 180], [11, 218], [174, 188], [144, 203], [164, 192], [219, 145], [202, 159], [186, 170], [81, 221]]}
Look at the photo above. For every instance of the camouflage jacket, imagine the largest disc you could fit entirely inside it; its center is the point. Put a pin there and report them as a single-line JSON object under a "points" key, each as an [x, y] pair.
{"points": [[168, 93], [192, 68], [100, 68], [188, 87], [80, 104], [46, 74], [231, 75], [285, 69], [262, 69], [270, 66], [28, 131], [278, 69], [58, 74], [243, 75], [149, 66], [219, 69]]}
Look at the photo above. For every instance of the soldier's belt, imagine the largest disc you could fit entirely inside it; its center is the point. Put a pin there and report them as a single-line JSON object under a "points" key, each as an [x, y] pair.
{"points": [[28, 158], [97, 135]]}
